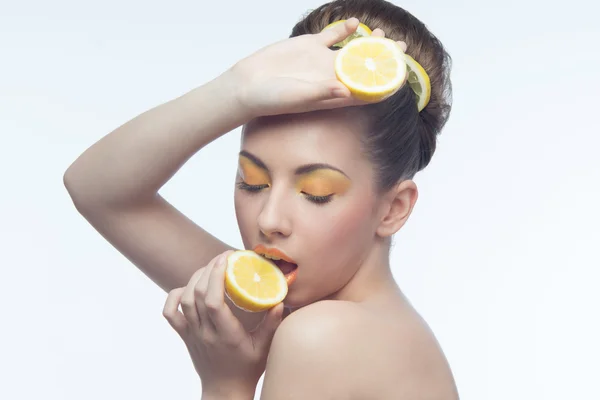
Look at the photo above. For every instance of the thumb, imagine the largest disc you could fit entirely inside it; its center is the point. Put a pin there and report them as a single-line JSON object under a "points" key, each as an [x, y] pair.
{"points": [[330, 89], [310, 93], [270, 323]]}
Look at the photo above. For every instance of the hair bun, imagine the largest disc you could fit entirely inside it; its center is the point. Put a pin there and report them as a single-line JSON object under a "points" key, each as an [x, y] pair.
{"points": [[401, 140]]}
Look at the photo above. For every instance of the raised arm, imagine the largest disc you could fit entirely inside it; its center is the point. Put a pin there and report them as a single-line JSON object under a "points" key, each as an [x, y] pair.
{"points": [[114, 184]]}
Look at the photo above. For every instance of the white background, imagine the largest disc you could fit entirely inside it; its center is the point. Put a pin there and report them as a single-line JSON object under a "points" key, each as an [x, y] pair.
{"points": [[500, 255]]}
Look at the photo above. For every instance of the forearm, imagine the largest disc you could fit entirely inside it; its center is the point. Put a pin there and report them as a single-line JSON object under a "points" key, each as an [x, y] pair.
{"points": [[134, 161]]}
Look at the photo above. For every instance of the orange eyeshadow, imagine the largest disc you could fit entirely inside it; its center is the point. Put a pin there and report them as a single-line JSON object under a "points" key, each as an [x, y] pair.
{"points": [[323, 182], [251, 173]]}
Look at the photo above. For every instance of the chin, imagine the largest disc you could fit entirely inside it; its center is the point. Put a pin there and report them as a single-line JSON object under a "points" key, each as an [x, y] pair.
{"points": [[292, 301]]}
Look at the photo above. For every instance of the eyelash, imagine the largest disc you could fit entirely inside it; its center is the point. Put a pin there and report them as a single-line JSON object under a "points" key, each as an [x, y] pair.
{"points": [[257, 188], [318, 199], [251, 188]]}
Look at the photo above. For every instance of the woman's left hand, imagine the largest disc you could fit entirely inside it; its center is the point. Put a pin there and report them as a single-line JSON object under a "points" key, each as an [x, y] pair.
{"points": [[228, 359]]}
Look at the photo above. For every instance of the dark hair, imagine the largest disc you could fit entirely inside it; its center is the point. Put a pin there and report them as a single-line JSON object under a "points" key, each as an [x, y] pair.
{"points": [[401, 140]]}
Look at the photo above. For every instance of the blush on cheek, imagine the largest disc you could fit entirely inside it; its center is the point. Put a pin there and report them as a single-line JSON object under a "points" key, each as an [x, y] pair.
{"points": [[350, 225], [337, 239]]}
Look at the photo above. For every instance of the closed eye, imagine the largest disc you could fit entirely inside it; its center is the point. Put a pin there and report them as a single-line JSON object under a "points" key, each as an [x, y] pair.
{"points": [[257, 188], [251, 188], [318, 199]]}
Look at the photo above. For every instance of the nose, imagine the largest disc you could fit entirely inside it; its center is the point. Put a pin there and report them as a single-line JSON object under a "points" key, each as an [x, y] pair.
{"points": [[273, 219]]}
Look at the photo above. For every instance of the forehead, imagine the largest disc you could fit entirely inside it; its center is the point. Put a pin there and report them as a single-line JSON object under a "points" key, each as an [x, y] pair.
{"points": [[286, 141]]}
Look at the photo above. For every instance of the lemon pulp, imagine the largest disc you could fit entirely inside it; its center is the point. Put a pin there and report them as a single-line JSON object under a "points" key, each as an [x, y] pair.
{"points": [[252, 282], [373, 68]]}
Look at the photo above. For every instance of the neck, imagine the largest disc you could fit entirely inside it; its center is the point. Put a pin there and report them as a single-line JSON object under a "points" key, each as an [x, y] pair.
{"points": [[373, 278]]}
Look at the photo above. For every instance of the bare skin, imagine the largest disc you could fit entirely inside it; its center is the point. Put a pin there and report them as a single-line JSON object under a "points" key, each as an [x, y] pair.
{"points": [[358, 304], [380, 349], [361, 340]]}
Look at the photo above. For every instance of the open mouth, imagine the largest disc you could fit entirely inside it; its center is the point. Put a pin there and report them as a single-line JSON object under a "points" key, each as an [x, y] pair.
{"points": [[283, 262], [285, 267]]}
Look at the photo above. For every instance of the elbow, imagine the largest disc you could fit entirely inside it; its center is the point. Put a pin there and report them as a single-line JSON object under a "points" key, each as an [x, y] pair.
{"points": [[73, 182], [69, 181]]}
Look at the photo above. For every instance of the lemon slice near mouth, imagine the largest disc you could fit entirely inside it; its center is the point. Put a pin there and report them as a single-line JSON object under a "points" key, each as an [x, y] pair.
{"points": [[361, 31], [252, 282], [372, 68]]}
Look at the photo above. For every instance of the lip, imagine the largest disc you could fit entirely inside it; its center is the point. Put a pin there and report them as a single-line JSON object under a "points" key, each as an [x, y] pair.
{"points": [[263, 250]]}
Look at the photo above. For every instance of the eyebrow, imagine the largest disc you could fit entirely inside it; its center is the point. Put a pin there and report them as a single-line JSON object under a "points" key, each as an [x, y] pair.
{"points": [[301, 170]]}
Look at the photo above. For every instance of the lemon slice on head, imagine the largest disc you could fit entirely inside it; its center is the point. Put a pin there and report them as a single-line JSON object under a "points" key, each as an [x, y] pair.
{"points": [[418, 81], [372, 68], [252, 282], [361, 31]]}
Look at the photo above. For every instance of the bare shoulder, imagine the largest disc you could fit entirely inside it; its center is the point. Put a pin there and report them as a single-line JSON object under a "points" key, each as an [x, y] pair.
{"points": [[324, 328], [309, 353], [343, 350], [322, 316]]}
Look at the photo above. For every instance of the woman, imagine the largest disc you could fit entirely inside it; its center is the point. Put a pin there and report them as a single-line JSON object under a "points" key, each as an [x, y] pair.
{"points": [[323, 178]]}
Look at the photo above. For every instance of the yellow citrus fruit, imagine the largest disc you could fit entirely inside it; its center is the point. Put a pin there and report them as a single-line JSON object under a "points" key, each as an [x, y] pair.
{"points": [[361, 31], [373, 67], [418, 81], [252, 282]]}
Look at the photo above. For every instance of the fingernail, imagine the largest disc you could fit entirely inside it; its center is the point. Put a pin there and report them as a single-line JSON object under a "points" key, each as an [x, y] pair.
{"points": [[340, 93]]}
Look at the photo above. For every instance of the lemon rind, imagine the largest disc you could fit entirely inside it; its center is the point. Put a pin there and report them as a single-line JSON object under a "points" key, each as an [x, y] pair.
{"points": [[424, 80]]}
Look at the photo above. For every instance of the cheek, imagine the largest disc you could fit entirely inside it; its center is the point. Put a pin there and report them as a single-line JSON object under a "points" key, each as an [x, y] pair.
{"points": [[246, 213], [339, 237]]}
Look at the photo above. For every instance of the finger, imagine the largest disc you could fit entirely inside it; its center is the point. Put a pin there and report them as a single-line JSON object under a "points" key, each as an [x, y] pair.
{"points": [[402, 45], [312, 93], [338, 33], [226, 324], [172, 314], [349, 101], [326, 90], [266, 330], [200, 291], [378, 32], [188, 301], [330, 104]]}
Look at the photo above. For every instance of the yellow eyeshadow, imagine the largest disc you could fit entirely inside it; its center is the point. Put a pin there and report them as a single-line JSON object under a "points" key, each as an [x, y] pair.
{"points": [[251, 173], [323, 182]]}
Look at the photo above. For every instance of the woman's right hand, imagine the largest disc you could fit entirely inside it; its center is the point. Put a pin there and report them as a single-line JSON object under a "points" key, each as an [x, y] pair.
{"points": [[294, 75]]}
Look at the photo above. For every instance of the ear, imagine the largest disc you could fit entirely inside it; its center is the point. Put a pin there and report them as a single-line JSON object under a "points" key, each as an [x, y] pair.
{"points": [[397, 207]]}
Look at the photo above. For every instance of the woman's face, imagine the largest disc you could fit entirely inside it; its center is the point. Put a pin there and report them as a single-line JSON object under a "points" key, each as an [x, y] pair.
{"points": [[305, 188]]}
